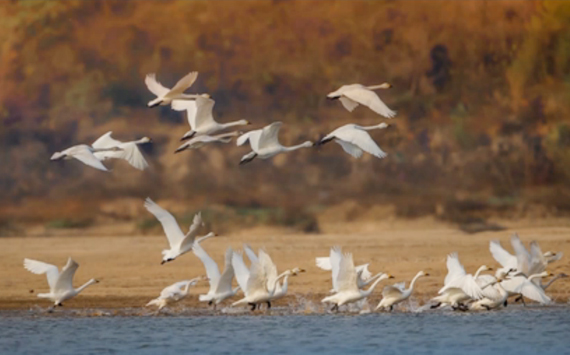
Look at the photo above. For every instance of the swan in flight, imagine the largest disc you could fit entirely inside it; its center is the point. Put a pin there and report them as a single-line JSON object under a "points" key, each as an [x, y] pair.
{"points": [[494, 302], [220, 284], [257, 289], [129, 150], [355, 140], [60, 284], [174, 293], [200, 141], [458, 279], [352, 95], [201, 119], [348, 291], [265, 144], [85, 154], [332, 263], [179, 242], [165, 96], [521, 286], [392, 295]]}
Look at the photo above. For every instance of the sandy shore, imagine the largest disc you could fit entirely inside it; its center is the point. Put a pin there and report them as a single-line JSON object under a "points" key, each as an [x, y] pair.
{"points": [[130, 272]]}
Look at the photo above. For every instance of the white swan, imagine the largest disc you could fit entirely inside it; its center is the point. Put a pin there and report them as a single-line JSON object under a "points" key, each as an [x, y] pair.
{"points": [[250, 253], [352, 95], [272, 278], [165, 95], [179, 242], [174, 293], [200, 141], [355, 140], [129, 150], [202, 122], [84, 154], [220, 284], [491, 303], [281, 289], [392, 295], [265, 143], [348, 291], [60, 284], [457, 278], [521, 286], [332, 263], [257, 290]]}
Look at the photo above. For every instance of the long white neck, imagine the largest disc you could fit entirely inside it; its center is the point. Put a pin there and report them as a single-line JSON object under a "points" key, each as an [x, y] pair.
{"points": [[479, 270], [111, 149], [414, 281], [201, 239], [501, 290], [381, 86], [298, 146], [378, 126], [140, 141], [536, 276], [545, 286], [274, 286], [371, 288], [87, 284], [232, 124], [490, 283], [285, 284], [372, 279], [187, 288]]}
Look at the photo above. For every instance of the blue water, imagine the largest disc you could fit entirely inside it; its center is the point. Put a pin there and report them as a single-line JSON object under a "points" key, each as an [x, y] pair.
{"points": [[522, 331]]}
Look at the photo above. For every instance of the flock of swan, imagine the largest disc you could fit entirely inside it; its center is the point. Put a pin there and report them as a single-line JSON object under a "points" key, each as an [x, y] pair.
{"points": [[260, 283]]}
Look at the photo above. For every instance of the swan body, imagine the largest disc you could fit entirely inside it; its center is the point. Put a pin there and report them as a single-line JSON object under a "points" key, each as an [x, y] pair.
{"points": [[201, 119], [60, 284], [174, 293], [220, 284], [457, 278], [200, 141], [265, 143], [165, 96], [348, 291], [520, 285], [492, 303], [392, 295], [85, 154], [332, 263], [356, 94], [179, 242], [129, 150], [355, 140]]}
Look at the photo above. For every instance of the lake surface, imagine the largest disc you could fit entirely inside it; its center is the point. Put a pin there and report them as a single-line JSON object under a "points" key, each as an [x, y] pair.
{"points": [[519, 331]]}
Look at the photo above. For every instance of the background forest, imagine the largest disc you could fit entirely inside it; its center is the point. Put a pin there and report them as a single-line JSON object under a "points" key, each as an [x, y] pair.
{"points": [[482, 90]]}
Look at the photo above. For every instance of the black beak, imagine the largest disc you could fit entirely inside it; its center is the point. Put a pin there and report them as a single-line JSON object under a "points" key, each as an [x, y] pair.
{"points": [[154, 105], [162, 262]]}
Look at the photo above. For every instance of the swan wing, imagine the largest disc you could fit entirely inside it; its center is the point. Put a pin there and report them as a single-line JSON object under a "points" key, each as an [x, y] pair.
{"points": [[365, 274], [361, 139], [190, 107], [502, 256], [106, 141], [204, 107], [348, 104], [183, 84], [154, 86], [538, 262], [130, 152], [534, 292], [190, 237], [241, 271], [394, 291], [225, 282], [324, 263], [269, 135], [174, 289], [489, 292], [346, 280], [270, 268], [209, 264], [252, 136], [369, 98], [335, 259], [350, 148], [523, 256], [169, 225], [39, 268], [250, 253], [84, 155], [468, 285], [257, 281], [454, 268], [65, 279]]}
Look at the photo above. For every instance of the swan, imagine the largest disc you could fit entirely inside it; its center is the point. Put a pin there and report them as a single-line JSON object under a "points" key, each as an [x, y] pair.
{"points": [[202, 122], [355, 140], [164, 95], [392, 295], [250, 253], [200, 141], [174, 293], [265, 144], [179, 242], [492, 303], [85, 154], [332, 263], [522, 286], [220, 284], [348, 291], [457, 278], [352, 95], [257, 290], [60, 284], [281, 289], [129, 150]]}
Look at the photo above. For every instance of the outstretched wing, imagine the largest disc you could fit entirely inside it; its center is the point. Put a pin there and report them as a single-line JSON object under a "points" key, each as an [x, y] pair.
{"points": [[250, 253], [269, 135], [252, 136], [190, 237], [365, 274], [347, 274], [323, 263], [523, 256], [183, 83], [270, 268], [39, 267], [204, 108], [154, 86], [257, 280], [225, 282], [169, 225], [335, 258], [209, 264], [502, 256], [350, 148], [106, 141], [241, 271], [454, 269], [84, 155], [393, 291], [65, 279], [348, 104], [361, 139], [369, 98]]}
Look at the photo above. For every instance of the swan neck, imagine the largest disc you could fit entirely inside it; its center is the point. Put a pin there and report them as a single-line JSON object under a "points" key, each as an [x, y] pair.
{"points": [[232, 124], [414, 281], [85, 285], [479, 270], [295, 147], [274, 286], [371, 288], [374, 87]]}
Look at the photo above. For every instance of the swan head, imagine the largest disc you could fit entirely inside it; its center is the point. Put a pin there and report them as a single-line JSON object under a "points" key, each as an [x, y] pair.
{"points": [[57, 156], [385, 86], [295, 271], [154, 103], [307, 144], [166, 259], [146, 140], [423, 273]]}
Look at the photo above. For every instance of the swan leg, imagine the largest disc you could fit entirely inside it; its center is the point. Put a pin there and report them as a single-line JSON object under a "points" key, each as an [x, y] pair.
{"points": [[60, 304], [335, 308], [437, 305], [210, 303], [214, 306], [487, 307], [268, 305], [252, 306], [391, 308], [519, 298]]}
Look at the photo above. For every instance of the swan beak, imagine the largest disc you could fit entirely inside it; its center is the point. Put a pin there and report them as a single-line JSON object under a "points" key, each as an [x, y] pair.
{"points": [[490, 269], [302, 270], [97, 281], [550, 274], [216, 235], [390, 86], [162, 262], [426, 274], [153, 105], [179, 150], [248, 123], [391, 277]]}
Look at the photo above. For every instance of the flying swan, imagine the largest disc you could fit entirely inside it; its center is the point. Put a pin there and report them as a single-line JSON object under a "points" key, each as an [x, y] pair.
{"points": [[332, 263], [60, 284], [84, 154], [179, 242], [129, 150], [355, 140], [200, 141], [392, 295], [265, 144], [164, 95], [352, 95]]}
